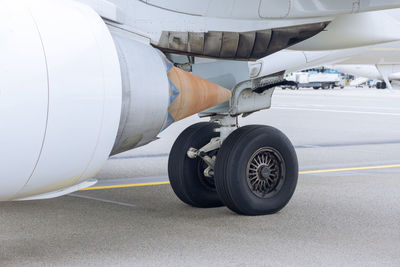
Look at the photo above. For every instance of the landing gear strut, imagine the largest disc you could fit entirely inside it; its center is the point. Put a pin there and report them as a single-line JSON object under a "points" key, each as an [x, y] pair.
{"points": [[252, 170]]}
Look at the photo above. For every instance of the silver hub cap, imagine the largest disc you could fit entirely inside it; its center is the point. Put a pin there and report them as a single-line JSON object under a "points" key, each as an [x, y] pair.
{"points": [[265, 172]]}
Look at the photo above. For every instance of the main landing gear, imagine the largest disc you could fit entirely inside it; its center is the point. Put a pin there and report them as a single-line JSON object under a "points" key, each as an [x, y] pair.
{"points": [[252, 170]]}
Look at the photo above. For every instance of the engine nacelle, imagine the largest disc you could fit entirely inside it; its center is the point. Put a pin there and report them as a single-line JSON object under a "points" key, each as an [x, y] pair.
{"points": [[145, 88], [60, 96], [73, 92]]}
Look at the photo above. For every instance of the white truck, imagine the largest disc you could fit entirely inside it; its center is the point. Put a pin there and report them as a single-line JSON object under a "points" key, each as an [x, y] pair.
{"points": [[316, 80]]}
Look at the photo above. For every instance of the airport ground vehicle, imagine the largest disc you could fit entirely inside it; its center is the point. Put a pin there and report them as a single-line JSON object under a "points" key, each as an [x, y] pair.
{"points": [[315, 80]]}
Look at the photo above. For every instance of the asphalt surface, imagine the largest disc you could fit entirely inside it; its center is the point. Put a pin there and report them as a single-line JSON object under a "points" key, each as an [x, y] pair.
{"points": [[345, 214]]}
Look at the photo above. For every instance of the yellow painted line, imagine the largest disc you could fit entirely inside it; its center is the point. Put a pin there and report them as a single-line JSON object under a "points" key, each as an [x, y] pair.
{"points": [[301, 172], [352, 169], [122, 186], [386, 49]]}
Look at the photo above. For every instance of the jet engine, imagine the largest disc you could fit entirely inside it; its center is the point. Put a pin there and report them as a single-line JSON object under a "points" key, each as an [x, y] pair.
{"points": [[73, 91]]}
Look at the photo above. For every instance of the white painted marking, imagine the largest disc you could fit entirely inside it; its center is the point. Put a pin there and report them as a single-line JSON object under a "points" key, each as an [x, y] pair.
{"points": [[103, 200], [338, 106], [341, 111]]}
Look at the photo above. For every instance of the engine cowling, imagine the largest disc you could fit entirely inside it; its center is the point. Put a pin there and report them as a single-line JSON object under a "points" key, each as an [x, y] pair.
{"points": [[60, 96], [73, 91]]}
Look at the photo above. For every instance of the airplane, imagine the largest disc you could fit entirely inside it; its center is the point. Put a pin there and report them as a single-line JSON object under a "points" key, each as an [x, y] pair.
{"points": [[386, 73], [380, 61], [84, 80]]}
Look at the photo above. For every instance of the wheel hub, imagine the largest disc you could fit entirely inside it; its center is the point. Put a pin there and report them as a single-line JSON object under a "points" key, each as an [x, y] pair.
{"points": [[265, 172]]}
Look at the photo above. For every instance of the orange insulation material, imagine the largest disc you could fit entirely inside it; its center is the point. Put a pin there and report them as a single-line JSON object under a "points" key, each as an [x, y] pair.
{"points": [[196, 94]]}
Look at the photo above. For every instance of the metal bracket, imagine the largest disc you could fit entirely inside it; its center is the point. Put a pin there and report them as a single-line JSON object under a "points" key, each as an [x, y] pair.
{"points": [[214, 144], [247, 97], [227, 125], [246, 101]]}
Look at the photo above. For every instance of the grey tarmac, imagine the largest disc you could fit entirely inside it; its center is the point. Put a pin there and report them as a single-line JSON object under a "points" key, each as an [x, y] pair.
{"points": [[346, 214]]}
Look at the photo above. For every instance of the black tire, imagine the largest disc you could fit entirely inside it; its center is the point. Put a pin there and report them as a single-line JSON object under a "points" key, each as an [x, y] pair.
{"points": [[231, 170], [315, 87], [186, 174], [381, 85]]}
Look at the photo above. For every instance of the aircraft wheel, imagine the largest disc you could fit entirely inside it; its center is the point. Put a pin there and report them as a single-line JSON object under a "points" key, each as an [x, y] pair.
{"points": [[186, 175], [256, 170]]}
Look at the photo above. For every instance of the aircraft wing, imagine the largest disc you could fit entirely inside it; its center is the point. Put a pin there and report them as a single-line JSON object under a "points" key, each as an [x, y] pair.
{"points": [[270, 9], [228, 29], [373, 38]]}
